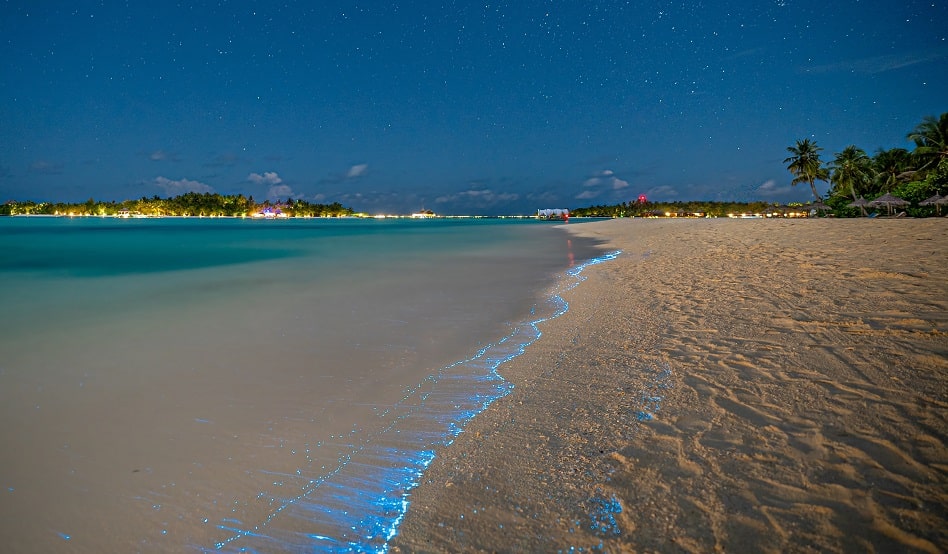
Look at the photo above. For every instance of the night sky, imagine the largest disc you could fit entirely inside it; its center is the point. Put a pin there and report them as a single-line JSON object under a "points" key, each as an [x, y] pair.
{"points": [[456, 107]]}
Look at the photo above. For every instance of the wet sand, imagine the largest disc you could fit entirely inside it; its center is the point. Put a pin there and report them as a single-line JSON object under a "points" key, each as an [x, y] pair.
{"points": [[724, 385]]}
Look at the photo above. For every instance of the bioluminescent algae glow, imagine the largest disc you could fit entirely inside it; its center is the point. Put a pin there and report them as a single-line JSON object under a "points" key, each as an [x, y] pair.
{"points": [[602, 508], [602, 515], [651, 400], [358, 505]]}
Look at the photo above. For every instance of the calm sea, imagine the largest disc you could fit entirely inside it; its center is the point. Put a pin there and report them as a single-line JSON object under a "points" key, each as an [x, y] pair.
{"points": [[202, 385]]}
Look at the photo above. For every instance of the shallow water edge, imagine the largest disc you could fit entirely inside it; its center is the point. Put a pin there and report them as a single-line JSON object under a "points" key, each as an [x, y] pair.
{"points": [[375, 478]]}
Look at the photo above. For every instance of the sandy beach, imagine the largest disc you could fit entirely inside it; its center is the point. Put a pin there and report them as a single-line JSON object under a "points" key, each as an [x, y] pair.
{"points": [[722, 386]]}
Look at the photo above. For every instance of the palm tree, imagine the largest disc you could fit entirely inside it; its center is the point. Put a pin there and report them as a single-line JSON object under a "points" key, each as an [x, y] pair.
{"points": [[890, 166], [931, 140], [805, 165], [851, 171]]}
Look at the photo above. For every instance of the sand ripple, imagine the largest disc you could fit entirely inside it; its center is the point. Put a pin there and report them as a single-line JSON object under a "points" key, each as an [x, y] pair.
{"points": [[766, 386]]}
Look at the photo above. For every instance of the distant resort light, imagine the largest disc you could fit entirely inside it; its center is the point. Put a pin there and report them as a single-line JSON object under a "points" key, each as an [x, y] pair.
{"points": [[553, 213], [270, 213], [125, 214]]}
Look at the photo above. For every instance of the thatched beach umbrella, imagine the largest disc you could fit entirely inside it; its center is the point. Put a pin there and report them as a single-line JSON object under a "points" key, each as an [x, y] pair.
{"points": [[818, 206], [861, 203], [939, 203], [936, 201], [888, 201]]}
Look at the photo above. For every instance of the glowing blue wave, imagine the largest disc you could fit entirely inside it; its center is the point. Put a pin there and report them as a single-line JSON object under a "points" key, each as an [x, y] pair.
{"points": [[358, 505]]}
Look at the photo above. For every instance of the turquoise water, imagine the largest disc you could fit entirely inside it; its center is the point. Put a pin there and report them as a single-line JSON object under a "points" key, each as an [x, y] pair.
{"points": [[239, 385]]}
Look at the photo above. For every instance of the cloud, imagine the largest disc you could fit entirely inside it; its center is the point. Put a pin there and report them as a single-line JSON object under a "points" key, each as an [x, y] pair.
{"points": [[162, 156], [662, 193], [276, 187], [268, 178], [280, 191], [605, 179], [592, 182], [357, 170], [181, 186], [44, 167], [771, 188], [354, 172]]}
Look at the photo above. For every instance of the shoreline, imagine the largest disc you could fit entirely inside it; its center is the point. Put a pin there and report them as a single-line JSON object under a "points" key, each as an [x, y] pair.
{"points": [[760, 385], [311, 404]]}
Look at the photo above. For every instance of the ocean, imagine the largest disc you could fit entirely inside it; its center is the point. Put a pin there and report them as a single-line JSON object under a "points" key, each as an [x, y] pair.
{"points": [[203, 385]]}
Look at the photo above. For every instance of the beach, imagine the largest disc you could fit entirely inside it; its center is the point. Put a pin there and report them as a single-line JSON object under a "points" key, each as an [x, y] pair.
{"points": [[722, 385]]}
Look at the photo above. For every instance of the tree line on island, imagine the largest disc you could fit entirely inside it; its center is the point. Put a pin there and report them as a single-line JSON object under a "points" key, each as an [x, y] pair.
{"points": [[913, 176], [188, 204]]}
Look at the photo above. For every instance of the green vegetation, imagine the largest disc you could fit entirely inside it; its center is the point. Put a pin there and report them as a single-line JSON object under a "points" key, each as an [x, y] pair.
{"points": [[675, 209], [913, 176], [188, 204], [805, 164]]}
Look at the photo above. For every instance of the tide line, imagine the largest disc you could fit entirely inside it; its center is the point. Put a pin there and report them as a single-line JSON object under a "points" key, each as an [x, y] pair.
{"points": [[358, 505]]}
